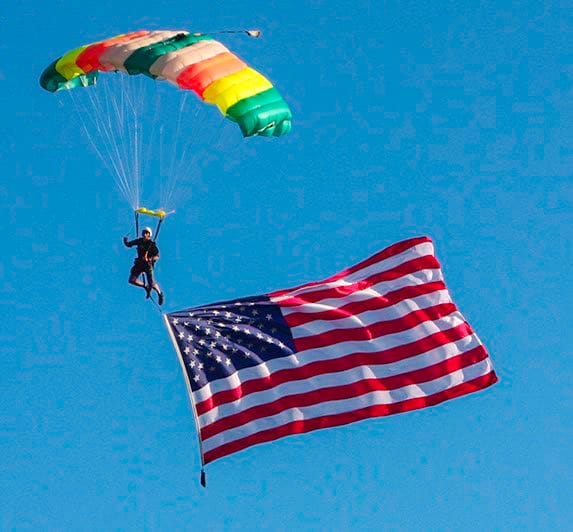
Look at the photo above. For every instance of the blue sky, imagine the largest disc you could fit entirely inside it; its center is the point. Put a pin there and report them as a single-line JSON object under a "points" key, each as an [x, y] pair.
{"points": [[410, 118]]}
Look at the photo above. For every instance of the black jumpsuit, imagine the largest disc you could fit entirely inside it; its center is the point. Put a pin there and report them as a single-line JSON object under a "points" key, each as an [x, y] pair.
{"points": [[145, 249]]}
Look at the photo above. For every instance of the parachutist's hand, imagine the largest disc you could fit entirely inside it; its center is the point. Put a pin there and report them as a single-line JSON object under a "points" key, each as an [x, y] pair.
{"points": [[125, 240]]}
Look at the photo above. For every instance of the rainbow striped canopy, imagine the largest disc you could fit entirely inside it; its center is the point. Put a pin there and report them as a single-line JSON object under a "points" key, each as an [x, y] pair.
{"points": [[194, 62]]}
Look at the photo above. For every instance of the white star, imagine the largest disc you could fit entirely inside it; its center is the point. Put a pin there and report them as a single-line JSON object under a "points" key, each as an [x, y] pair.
{"points": [[228, 314], [187, 350], [212, 344], [246, 331], [217, 334], [207, 331], [196, 378], [181, 335], [269, 339], [192, 363], [281, 345], [225, 347], [236, 328], [218, 358], [191, 314], [190, 337], [186, 323], [227, 361], [269, 317], [238, 319], [255, 312], [197, 327], [260, 336], [216, 312], [195, 351], [202, 342], [200, 366], [175, 321]]}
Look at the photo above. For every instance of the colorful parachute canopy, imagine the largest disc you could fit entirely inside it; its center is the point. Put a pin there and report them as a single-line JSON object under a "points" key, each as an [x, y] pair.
{"points": [[194, 62]]}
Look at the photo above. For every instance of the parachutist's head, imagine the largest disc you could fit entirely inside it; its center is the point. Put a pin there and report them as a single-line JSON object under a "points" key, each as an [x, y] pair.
{"points": [[146, 233]]}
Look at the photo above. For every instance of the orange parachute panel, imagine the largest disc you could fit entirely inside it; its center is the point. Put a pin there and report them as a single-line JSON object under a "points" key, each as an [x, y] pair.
{"points": [[199, 76]]}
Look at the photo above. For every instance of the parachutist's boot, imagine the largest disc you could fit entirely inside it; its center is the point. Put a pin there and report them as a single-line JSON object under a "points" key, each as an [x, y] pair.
{"points": [[147, 292], [161, 298]]}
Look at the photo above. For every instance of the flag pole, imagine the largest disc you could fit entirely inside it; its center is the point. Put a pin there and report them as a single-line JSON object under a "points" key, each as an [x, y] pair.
{"points": [[190, 393]]}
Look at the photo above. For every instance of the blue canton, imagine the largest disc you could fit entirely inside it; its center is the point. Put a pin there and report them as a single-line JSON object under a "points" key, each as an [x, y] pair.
{"points": [[217, 340]]}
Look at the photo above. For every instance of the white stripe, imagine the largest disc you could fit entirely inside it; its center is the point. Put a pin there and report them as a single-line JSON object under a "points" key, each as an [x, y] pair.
{"points": [[115, 56], [418, 278], [371, 317], [331, 408], [170, 65], [416, 252], [328, 353], [341, 378]]}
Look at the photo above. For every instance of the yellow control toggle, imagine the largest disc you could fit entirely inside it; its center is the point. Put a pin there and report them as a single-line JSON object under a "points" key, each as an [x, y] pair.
{"points": [[159, 213]]}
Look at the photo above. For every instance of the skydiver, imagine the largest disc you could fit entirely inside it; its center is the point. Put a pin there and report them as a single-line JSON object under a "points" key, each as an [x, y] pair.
{"points": [[147, 256]]}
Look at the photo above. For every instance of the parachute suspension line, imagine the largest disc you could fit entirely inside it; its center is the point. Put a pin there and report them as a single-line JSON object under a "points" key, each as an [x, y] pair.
{"points": [[178, 164], [113, 164], [114, 110], [116, 116], [106, 107], [107, 150], [188, 156], [152, 135], [131, 111], [167, 167]]}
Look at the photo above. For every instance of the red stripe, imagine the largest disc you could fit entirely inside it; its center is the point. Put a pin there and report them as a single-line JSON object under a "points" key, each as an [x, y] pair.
{"points": [[371, 332], [357, 307], [346, 391], [427, 262], [386, 253], [302, 426], [88, 60], [349, 361]]}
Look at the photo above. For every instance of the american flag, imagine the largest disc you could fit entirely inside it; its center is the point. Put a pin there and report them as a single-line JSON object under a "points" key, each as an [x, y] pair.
{"points": [[378, 338]]}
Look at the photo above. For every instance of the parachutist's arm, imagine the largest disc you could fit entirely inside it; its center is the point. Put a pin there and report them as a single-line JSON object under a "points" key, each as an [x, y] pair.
{"points": [[129, 244], [154, 252]]}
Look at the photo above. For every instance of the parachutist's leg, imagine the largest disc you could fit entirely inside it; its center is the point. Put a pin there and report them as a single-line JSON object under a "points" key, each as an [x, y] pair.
{"points": [[160, 295], [153, 284], [134, 277], [136, 282]]}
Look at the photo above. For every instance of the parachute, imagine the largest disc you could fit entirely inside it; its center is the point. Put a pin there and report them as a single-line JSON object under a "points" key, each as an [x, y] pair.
{"points": [[193, 62], [116, 113]]}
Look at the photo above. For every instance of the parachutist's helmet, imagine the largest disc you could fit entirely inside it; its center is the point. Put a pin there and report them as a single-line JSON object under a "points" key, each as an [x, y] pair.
{"points": [[147, 230]]}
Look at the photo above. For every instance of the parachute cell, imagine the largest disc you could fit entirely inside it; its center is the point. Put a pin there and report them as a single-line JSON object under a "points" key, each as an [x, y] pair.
{"points": [[193, 62]]}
